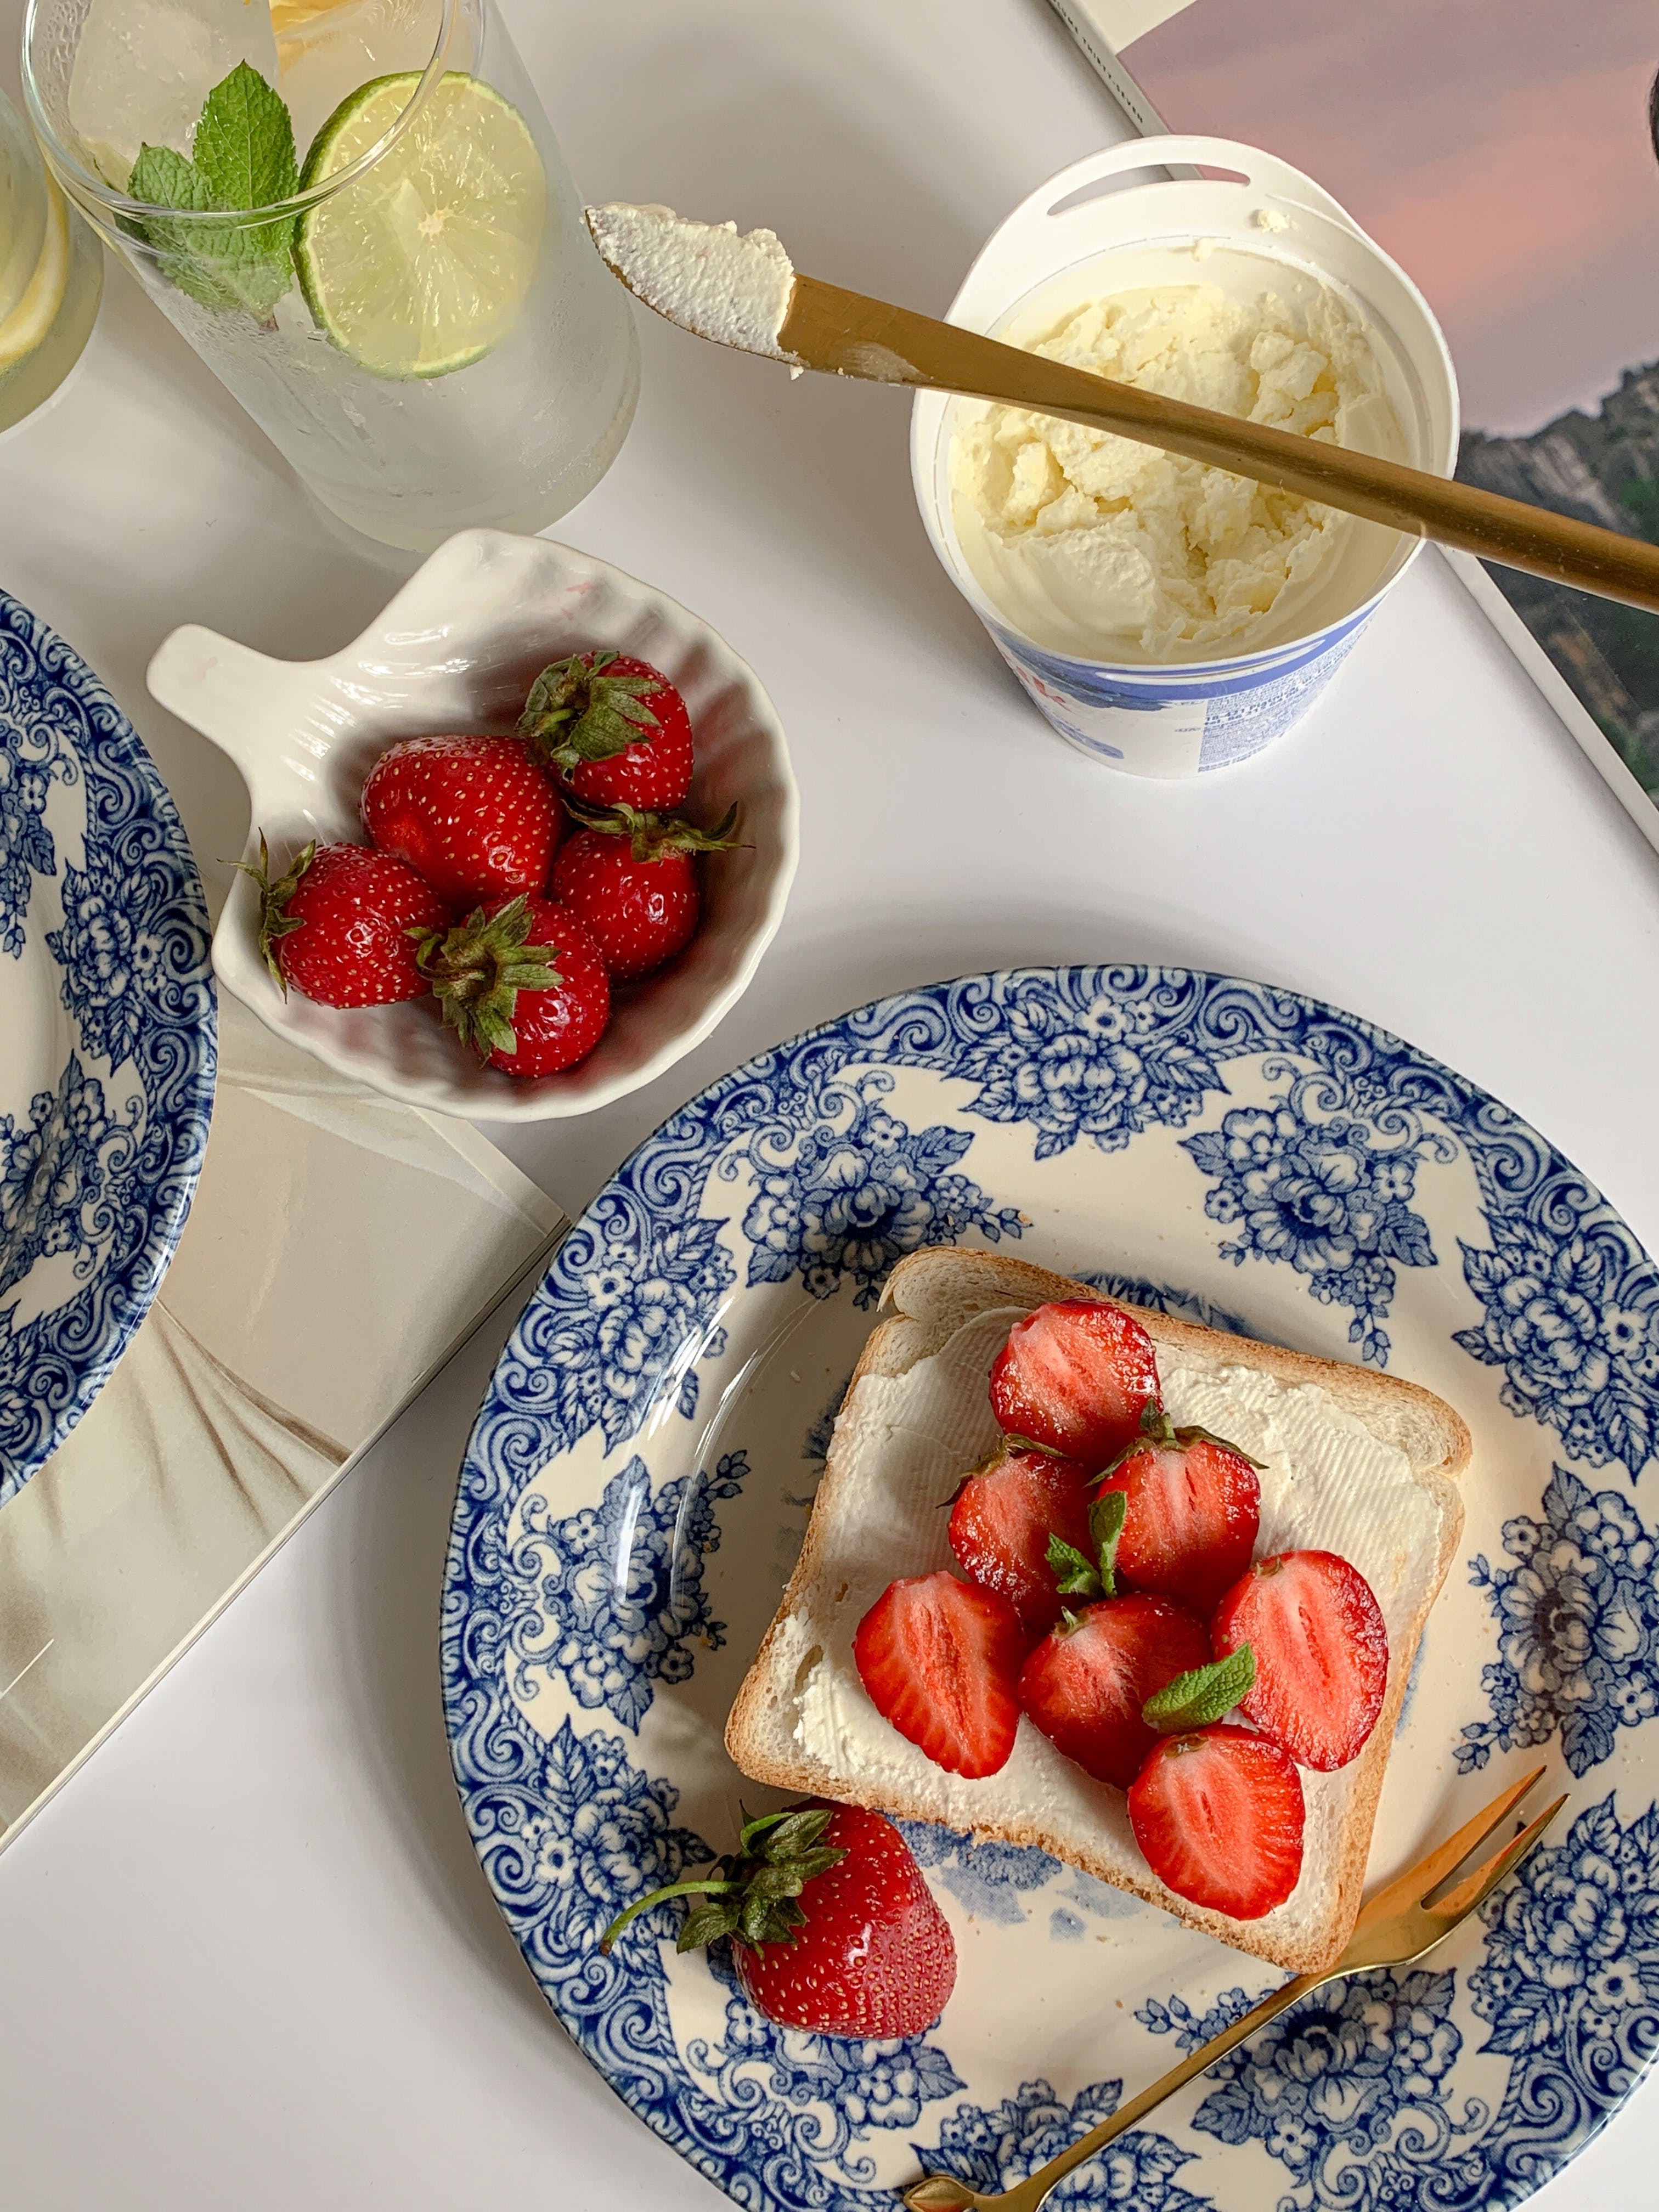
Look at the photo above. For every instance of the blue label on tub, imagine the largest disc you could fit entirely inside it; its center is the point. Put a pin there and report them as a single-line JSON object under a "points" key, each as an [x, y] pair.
{"points": [[1180, 722]]}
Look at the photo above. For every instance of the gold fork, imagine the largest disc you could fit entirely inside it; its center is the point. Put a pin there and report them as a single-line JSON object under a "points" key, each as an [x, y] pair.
{"points": [[1395, 1928]]}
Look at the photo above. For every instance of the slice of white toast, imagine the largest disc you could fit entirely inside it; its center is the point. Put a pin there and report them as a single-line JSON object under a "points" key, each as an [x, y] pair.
{"points": [[1356, 1462]]}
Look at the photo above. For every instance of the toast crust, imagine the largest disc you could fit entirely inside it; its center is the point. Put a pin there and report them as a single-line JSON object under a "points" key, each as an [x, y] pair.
{"points": [[928, 1298]]}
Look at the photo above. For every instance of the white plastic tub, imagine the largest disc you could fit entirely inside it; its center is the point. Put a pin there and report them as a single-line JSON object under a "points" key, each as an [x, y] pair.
{"points": [[1173, 717]]}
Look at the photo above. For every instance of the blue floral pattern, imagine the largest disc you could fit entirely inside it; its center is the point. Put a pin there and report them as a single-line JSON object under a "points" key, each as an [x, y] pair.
{"points": [[62, 1174], [987, 1877], [842, 1188], [1345, 2089], [1570, 1306], [101, 1168], [611, 1599], [1577, 1618], [1333, 1151], [639, 1318], [1075, 1053], [992, 2148], [1163, 1297], [1315, 1180], [31, 759]]}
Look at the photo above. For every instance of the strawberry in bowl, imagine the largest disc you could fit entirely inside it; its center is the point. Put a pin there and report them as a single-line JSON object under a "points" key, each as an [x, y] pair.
{"points": [[455, 658]]}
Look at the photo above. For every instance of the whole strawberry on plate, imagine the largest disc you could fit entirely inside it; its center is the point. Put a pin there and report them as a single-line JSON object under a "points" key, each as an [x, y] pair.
{"points": [[342, 924], [833, 1928], [633, 879], [478, 817], [522, 984], [613, 728]]}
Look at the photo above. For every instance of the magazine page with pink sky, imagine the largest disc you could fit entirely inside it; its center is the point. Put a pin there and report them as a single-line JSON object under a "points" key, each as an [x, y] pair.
{"points": [[1504, 152]]}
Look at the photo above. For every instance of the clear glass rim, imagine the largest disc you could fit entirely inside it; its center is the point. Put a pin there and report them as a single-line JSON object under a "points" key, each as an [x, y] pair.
{"points": [[84, 183]]}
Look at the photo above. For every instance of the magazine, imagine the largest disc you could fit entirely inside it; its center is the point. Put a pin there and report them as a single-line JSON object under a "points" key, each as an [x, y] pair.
{"points": [[1506, 154], [339, 1247]]}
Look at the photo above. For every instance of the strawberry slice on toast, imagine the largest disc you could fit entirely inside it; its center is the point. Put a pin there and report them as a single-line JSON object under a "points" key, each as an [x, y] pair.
{"points": [[1077, 1375], [1085, 1683], [1219, 1815], [1322, 1654], [940, 1659], [1192, 1510], [1006, 1515]]}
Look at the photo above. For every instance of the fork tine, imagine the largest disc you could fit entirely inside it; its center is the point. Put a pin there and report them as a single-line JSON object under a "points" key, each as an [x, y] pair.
{"points": [[1473, 1891], [1416, 1883]]}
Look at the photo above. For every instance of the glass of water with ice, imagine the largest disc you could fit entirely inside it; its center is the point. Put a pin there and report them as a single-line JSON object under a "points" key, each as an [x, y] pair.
{"points": [[51, 274], [356, 213]]}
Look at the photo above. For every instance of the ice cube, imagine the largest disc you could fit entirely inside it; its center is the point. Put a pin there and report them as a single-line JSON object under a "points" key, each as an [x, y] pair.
{"points": [[327, 48], [143, 69]]}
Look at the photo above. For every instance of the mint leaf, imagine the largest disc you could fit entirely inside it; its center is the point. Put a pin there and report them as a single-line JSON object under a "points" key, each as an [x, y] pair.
{"points": [[1105, 1527], [244, 161], [1076, 1577], [1194, 1700], [244, 142], [162, 178]]}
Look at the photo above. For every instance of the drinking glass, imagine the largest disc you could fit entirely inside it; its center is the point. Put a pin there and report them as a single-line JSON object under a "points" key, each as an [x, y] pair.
{"points": [[421, 325], [51, 274]]}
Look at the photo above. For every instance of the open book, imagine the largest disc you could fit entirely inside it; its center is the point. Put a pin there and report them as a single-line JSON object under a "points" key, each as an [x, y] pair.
{"points": [[339, 1247], [1504, 152]]}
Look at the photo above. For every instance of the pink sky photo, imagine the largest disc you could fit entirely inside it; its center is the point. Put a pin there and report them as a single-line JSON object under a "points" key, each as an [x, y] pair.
{"points": [[1498, 149]]}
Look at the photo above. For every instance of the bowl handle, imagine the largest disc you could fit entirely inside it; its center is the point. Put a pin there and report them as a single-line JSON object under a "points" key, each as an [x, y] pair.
{"points": [[1262, 172], [245, 701]]}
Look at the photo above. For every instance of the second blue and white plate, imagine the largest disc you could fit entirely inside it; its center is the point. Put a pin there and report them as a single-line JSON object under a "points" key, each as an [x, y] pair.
{"points": [[639, 1480], [107, 1040]]}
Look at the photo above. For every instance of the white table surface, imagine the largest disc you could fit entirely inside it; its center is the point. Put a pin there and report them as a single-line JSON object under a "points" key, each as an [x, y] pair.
{"points": [[249, 1960]]}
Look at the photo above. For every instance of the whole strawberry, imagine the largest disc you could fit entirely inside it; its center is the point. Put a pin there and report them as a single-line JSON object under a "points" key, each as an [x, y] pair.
{"points": [[522, 984], [614, 729], [833, 1928], [342, 924], [633, 879], [478, 817]]}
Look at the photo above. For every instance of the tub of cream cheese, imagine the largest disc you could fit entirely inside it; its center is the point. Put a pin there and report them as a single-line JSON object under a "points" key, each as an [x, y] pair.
{"points": [[1166, 617]]}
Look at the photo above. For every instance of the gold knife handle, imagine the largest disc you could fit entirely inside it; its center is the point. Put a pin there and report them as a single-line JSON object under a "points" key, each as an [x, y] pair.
{"points": [[848, 335]]}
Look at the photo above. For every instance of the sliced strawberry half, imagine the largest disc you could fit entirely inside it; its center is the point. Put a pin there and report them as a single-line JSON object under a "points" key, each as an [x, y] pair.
{"points": [[1192, 1509], [1085, 1683], [1322, 1653], [1076, 1376], [1006, 1514], [940, 1659], [1219, 1815]]}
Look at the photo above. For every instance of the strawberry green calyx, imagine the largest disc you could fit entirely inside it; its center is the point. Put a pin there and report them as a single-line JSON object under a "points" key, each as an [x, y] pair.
{"points": [[655, 836], [751, 1893], [275, 920], [477, 969], [1207, 1694], [576, 713], [1091, 1578], [1158, 1433]]}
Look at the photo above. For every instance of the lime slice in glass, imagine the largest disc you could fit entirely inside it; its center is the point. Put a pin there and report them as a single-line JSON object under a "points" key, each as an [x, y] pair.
{"points": [[422, 266]]}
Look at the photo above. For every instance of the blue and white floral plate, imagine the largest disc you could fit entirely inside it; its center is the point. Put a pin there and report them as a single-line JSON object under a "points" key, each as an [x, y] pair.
{"points": [[639, 1479], [106, 1014]]}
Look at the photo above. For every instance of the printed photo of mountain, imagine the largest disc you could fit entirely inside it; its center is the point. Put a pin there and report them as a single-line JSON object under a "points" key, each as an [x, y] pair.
{"points": [[1506, 152]]}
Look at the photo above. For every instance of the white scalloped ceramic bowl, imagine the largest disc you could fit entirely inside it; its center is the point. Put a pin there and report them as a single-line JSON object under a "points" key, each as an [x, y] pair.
{"points": [[456, 649]]}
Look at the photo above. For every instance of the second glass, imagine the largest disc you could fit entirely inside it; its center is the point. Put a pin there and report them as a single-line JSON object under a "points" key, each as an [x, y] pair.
{"points": [[418, 320]]}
